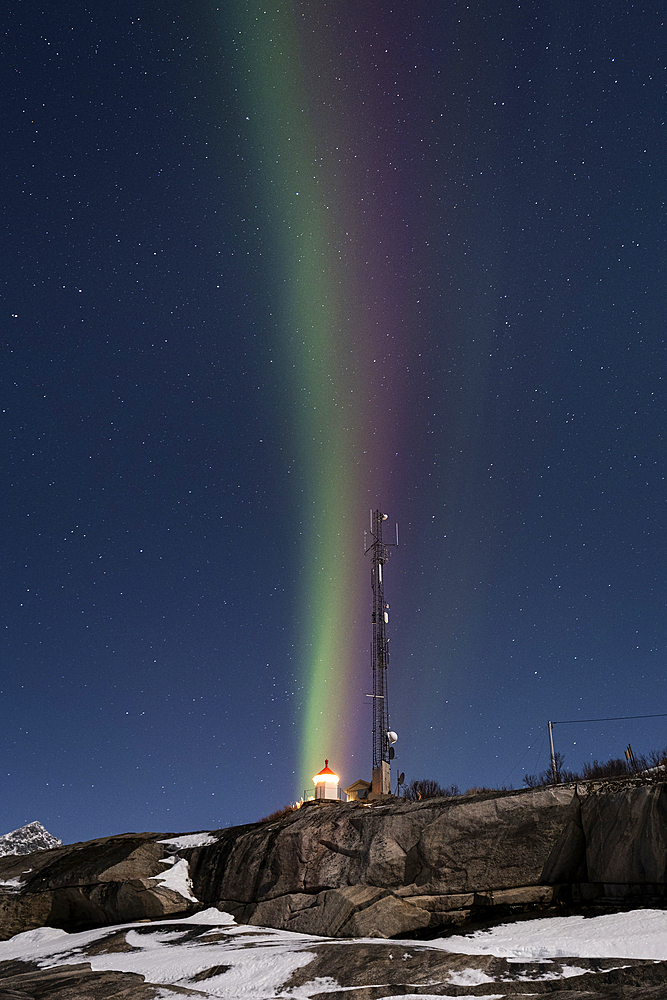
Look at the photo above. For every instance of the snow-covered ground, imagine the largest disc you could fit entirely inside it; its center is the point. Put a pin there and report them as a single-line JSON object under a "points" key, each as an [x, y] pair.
{"points": [[637, 934], [211, 954], [258, 961]]}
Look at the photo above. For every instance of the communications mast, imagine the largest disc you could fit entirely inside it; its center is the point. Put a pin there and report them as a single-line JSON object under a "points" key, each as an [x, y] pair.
{"points": [[382, 736]]}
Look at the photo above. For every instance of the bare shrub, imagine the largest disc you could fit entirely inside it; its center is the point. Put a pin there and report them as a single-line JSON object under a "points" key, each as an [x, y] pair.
{"points": [[657, 758], [279, 813], [426, 788], [615, 767]]}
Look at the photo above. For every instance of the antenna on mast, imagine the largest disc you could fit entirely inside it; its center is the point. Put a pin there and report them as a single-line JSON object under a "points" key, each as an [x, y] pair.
{"points": [[383, 738]]}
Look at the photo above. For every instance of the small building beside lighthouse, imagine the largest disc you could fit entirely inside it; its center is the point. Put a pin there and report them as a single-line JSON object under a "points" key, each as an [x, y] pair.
{"points": [[358, 791], [326, 783]]}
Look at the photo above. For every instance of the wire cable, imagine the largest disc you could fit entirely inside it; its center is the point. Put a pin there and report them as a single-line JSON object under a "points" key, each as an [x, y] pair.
{"points": [[616, 718], [521, 760]]}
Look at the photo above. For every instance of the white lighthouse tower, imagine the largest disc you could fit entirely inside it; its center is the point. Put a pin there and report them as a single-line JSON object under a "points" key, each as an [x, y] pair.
{"points": [[326, 783]]}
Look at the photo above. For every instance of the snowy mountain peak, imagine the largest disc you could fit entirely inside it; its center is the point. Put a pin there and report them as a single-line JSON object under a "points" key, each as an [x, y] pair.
{"points": [[26, 840]]}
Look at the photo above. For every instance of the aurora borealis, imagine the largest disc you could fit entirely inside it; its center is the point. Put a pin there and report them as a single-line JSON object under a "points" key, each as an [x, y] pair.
{"points": [[321, 387], [267, 268], [340, 314]]}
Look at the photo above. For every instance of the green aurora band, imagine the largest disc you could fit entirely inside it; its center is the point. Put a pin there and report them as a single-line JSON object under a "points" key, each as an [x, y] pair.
{"points": [[322, 388]]}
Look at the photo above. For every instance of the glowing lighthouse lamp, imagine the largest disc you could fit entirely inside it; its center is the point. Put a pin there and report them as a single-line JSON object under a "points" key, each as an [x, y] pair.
{"points": [[326, 783]]}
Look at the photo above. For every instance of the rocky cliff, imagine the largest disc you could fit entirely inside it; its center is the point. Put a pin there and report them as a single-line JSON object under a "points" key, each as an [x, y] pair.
{"points": [[350, 869]]}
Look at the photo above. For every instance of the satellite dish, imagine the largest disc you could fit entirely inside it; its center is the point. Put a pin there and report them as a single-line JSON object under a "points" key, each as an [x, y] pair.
{"points": [[391, 737], [391, 753], [401, 777]]}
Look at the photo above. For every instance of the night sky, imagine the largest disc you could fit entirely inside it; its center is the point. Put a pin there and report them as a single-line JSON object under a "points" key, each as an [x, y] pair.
{"points": [[262, 270]]}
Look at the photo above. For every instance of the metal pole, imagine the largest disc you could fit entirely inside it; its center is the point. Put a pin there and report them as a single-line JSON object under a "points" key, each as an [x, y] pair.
{"points": [[380, 644], [379, 648], [553, 755]]}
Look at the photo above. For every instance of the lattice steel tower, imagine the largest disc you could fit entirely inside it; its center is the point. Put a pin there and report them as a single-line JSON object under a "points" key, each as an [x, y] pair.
{"points": [[379, 551]]}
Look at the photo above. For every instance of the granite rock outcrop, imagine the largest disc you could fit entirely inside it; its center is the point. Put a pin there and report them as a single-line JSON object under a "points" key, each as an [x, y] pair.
{"points": [[99, 882], [349, 869]]}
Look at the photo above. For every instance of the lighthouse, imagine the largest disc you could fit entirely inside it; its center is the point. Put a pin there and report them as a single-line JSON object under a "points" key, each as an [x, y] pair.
{"points": [[326, 783]]}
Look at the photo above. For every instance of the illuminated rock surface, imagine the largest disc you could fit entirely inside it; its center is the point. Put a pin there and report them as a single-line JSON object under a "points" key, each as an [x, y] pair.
{"points": [[350, 870]]}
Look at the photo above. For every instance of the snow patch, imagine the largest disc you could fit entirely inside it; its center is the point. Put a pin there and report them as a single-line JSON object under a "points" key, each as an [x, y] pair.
{"points": [[321, 984], [46, 943], [11, 884], [253, 971], [638, 934], [177, 878], [443, 996], [469, 977], [190, 840], [568, 971], [36, 944]]}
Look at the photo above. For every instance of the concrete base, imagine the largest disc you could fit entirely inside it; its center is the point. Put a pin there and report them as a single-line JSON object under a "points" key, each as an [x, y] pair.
{"points": [[381, 782]]}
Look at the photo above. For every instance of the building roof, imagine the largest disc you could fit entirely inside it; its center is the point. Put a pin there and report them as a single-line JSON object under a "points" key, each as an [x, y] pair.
{"points": [[326, 771], [358, 785]]}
